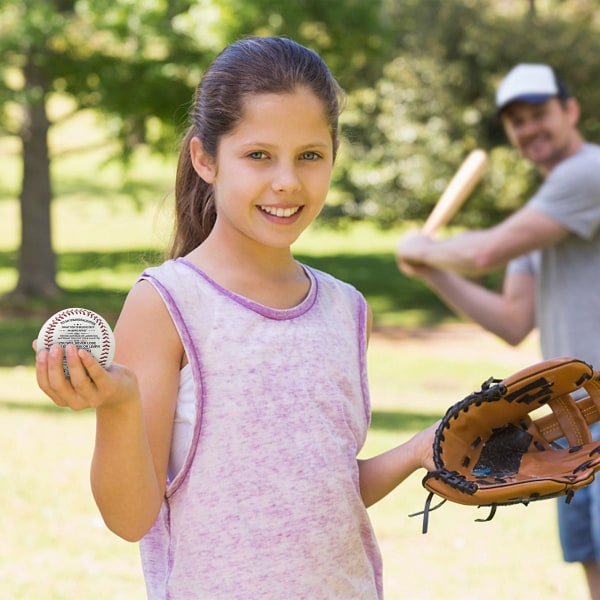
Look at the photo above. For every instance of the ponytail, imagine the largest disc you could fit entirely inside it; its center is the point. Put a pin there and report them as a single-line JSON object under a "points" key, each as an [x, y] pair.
{"points": [[195, 212]]}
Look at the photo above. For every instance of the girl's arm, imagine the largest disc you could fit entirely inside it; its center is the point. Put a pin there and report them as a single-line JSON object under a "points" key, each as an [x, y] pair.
{"points": [[380, 474], [134, 402]]}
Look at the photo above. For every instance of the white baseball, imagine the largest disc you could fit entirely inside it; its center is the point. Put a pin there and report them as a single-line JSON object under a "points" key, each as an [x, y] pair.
{"points": [[82, 327]]}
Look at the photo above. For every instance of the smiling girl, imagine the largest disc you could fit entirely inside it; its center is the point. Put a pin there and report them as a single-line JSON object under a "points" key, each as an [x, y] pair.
{"points": [[229, 427]]}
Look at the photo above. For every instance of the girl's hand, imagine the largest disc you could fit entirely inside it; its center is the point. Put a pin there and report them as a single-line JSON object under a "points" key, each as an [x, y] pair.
{"points": [[89, 384], [424, 442], [380, 474]]}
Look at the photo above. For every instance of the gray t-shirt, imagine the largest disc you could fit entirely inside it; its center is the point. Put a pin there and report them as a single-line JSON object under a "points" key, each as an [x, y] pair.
{"points": [[568, 273]]}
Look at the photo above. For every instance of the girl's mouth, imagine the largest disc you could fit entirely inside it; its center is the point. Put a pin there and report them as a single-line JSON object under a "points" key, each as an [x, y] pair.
{"points": [[280, 212]]}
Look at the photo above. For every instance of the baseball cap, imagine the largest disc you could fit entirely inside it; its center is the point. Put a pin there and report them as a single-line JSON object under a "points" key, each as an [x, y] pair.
{"points": [[533, 83]]}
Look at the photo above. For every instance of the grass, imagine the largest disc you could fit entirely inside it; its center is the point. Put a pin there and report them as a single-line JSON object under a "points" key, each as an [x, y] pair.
{"points": [[413, 379], [53, 544]]}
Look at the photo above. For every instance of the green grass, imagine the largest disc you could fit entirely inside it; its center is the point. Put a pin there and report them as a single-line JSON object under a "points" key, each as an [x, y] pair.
{"points": [[53, 544], [50, 520]]}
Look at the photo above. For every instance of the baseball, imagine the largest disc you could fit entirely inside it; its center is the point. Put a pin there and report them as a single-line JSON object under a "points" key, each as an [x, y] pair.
{"points": [[82, 327]]}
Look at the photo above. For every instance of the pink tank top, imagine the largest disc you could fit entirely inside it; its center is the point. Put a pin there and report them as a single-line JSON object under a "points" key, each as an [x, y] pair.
{"points": [[267, 504]]}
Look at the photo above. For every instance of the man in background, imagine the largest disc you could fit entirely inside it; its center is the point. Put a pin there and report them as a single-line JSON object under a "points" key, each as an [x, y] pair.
{"points": [[551, 251]]}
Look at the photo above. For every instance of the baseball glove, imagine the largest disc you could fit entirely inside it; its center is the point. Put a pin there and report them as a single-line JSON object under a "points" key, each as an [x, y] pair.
{"points": [[489, 449]]}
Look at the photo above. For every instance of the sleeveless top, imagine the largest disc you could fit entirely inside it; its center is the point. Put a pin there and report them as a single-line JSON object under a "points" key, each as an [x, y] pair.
{"points": [[267, 503]]}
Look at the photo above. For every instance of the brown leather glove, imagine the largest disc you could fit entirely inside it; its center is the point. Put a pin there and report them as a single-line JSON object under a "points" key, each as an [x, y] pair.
{"points": [[490, 449]]}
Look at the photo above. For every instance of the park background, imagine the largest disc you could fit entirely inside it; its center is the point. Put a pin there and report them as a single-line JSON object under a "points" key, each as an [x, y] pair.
{"points": [[92, 104]]}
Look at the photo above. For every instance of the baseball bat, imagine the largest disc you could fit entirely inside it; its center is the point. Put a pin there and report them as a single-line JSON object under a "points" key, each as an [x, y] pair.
{"points": [[457, 191]]}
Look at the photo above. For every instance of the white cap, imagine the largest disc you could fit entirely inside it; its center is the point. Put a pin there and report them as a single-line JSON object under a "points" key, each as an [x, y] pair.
{"points": [[534, 83]]}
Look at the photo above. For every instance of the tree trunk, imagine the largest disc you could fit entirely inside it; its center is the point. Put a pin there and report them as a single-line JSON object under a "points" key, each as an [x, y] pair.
{"points": [[37, 260]]}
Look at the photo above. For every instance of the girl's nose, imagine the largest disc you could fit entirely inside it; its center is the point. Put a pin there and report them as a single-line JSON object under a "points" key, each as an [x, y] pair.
{"points": [[286, 179]]}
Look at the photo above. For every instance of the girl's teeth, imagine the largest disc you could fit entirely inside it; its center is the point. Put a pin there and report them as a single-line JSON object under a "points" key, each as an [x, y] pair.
{"points": [[280, 212]]}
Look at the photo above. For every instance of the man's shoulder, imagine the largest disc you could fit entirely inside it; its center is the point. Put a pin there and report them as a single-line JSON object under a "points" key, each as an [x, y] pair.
{"points": [[584, 164], [589, 152]]}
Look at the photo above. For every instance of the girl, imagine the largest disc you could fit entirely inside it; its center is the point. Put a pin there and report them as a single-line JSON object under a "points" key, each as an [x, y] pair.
{"points": [[229, 429]]}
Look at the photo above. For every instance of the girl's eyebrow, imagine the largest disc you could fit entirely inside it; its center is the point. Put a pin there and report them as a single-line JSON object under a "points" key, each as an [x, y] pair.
{"points": [[267, 145]]}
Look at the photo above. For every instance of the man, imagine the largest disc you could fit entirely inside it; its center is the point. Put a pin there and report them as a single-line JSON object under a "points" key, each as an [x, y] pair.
{"points": [[551, 250]]}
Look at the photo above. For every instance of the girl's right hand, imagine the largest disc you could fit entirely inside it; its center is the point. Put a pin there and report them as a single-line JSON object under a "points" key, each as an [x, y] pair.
{"points": [[89, 384]]}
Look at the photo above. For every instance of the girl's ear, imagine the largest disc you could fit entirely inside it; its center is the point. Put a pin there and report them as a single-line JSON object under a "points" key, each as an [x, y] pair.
{"points": [[203, 163]]}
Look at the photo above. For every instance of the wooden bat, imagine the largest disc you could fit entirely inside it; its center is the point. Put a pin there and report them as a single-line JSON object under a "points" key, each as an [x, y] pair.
{"points": [[457, 191]]}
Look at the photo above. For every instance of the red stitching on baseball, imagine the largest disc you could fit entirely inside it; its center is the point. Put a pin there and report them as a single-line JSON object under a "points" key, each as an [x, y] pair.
{"points": [[105, 333]]}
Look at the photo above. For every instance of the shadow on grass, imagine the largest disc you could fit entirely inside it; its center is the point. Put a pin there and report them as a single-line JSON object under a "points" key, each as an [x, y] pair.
{"points": [[119, 261], [75, 262], [20, 321], [374, 275], [377, 276], [390, 293]]}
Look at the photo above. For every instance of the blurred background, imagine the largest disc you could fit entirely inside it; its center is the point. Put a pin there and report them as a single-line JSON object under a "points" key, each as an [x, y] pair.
{"points": [[93, 102], [420, 77]]}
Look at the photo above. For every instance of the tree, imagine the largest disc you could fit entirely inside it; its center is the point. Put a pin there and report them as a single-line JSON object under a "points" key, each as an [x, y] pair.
{"points": [[135, 62], [96, 53], [420, 77], [37, 263], [435, 102]]}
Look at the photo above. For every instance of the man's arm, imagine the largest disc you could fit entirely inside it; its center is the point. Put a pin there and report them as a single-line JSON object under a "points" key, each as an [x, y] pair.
{"points": [[509, 315], [483, 250]]}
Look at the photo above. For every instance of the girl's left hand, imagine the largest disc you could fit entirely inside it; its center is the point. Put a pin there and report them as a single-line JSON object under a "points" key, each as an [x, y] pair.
{"points": [[424, 441]]}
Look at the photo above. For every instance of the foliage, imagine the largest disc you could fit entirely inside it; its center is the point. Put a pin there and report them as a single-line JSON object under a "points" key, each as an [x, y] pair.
{"points": [[435, 102], [420, 77], [138, 62]]}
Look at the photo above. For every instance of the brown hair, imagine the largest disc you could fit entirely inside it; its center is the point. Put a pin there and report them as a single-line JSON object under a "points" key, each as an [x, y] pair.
{"points": [[253, 65]]}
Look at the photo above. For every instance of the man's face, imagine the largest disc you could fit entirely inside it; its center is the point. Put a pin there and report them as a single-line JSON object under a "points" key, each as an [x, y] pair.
{"points": [[544, 133]]}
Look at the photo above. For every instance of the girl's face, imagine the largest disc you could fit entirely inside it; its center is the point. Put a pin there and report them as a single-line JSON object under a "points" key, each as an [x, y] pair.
{"points": [[272, 172]]}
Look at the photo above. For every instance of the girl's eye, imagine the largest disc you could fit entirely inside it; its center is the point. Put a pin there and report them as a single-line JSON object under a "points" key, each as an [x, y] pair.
{"points": [[309, 155], [257, 155]]}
